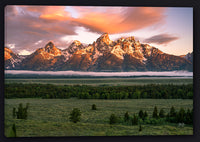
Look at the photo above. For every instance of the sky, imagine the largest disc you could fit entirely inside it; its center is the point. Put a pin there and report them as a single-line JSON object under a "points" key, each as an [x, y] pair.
{"points": [[28, 28]]}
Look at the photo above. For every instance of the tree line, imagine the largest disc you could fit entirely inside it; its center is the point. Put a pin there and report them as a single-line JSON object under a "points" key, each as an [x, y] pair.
{"points": [[49, 91], [181, 116]]}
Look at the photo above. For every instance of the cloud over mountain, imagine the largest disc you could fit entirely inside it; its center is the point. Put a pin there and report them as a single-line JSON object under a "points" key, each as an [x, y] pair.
{"points": [[34, 23], [26, 25], [128, 20], [26, 22], [161, 39]]}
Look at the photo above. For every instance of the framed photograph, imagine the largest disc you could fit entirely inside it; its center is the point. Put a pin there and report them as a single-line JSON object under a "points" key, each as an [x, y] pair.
{"points": [[100, 71]]}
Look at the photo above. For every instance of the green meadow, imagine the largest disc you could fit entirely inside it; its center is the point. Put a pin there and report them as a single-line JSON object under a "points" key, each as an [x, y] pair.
{"points": [[50, 117]]}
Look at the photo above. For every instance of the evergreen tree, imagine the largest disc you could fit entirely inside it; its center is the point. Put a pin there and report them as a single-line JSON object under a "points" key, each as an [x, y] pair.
{"points": [[188, 117], [113, 119], [162, 113], [141, 114], [134, 120], [126, 117], [22, 113], [13, 132], [145, 114], [172, 112], [181, 115], [155, 113]]}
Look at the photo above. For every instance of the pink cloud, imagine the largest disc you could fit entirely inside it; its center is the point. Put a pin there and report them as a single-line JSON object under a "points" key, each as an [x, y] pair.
{"points": [[24, 27], [34, 23]]}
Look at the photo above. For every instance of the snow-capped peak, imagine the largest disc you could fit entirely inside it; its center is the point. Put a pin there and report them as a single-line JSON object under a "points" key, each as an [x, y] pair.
{"points": [[118, 51]]}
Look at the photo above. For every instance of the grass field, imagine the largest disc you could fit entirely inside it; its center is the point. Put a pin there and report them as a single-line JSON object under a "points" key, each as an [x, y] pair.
{"points": [[50, 117], [105, 81]]}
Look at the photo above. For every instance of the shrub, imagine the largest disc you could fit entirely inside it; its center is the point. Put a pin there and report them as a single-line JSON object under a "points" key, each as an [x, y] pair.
{"points": [[155, 112], [156, 121], [113, 119], [147, 121], [162, 113], [126, 117], [75, 115], [94, 107]]}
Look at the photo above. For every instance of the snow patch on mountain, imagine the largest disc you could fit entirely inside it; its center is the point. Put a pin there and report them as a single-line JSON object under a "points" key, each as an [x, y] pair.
{"points": [[117, 51]]}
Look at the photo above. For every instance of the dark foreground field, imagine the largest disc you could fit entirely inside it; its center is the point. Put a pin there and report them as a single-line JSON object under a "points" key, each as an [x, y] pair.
{"points": [[50, 117]]}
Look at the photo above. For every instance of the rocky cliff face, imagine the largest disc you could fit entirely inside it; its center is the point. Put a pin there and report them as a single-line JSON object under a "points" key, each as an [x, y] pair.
{"points": [[11, 59], [124, 54], [189, 57], [42, 59]]}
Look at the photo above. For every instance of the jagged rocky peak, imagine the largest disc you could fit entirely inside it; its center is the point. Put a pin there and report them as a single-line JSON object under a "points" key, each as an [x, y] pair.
{"points": [[76, 45], [7, 53], [104, 39], [7, 49], [49, 45], [126, 39], [132, 38], [51, 49], [189, 57], [11, 59], [124, 54]]}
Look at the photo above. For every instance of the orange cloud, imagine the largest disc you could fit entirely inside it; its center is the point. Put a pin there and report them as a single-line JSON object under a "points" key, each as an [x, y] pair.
{"points": [[129, 20], [58, 17], [100, 22], [50, 12], [45, 9]]}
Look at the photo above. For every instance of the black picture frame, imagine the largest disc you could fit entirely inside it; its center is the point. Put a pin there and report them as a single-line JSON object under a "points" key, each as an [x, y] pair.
{"points": [[150, 3]]}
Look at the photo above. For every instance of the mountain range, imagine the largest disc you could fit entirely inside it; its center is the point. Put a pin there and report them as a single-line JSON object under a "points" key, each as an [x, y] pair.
{"points": [[124, 54]]}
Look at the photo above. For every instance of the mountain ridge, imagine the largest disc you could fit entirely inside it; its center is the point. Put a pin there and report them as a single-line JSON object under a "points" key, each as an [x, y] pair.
{"points": [[124, 54]]}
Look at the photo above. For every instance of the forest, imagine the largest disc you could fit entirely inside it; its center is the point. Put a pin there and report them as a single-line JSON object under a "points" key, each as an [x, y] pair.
{"points": [[50, 91]]}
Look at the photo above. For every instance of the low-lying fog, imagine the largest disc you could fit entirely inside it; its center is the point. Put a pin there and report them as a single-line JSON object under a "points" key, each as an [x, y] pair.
{"points": [[80, 73]]}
